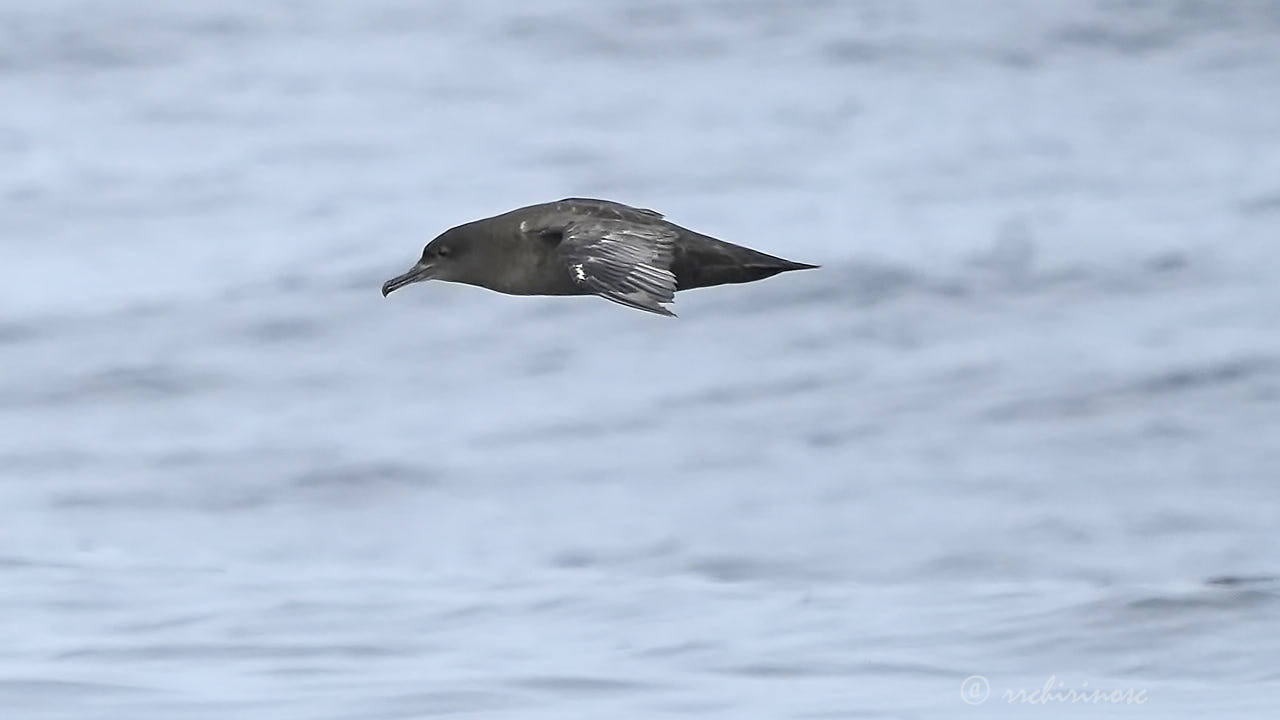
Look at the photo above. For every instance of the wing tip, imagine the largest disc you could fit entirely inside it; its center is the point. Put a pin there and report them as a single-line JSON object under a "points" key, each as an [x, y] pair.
{"points": [[648, 305]]}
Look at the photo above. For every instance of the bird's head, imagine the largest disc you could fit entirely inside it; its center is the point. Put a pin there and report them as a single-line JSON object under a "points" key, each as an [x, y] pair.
{"points": [[448, 258]]}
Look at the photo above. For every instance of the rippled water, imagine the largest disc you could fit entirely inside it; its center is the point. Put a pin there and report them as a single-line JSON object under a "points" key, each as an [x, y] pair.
{"points": [[1023, 425]]}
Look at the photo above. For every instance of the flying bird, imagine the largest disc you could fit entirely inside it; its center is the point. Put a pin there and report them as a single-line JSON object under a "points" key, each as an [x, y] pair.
{"points": [[580, 246]]}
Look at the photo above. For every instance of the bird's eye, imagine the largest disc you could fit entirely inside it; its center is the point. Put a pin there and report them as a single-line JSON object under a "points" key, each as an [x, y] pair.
{"points": [[442, 251]]}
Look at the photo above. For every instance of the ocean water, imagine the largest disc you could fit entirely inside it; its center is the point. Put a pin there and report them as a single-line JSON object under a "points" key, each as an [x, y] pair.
{"points": [[1014, 451]]}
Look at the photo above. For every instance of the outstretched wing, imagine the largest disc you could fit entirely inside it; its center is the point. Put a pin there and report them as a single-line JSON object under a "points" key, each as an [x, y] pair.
{"points": [[614, 257], [623, 262]]}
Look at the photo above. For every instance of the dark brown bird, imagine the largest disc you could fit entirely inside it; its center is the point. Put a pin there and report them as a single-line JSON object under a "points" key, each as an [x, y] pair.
{"points": [[580, 246]]}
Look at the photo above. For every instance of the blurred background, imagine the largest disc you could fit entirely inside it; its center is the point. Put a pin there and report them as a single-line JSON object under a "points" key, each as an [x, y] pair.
{"points": [[1023, 424]]}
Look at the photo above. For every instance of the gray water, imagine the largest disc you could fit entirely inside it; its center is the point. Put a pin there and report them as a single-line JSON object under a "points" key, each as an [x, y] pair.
{"points": [[1024, 424]]}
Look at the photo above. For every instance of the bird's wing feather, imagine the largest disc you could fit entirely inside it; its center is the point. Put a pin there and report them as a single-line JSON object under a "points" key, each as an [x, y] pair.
{"points": [[621, 261]]}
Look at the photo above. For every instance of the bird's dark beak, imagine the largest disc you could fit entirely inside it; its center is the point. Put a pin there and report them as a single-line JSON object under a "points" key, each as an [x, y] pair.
{"points": [[417, 273]]}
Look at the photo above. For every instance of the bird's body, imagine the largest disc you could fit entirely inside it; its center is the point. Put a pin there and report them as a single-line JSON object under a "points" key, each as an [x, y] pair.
{"points": [[580, 246]]}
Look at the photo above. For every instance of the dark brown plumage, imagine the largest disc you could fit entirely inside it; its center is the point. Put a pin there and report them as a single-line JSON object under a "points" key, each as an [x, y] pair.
{"points": [[580, 246]]}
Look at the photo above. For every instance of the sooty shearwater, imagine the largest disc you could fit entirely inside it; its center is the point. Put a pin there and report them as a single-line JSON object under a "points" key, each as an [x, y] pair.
{"points": [[579, 246]]}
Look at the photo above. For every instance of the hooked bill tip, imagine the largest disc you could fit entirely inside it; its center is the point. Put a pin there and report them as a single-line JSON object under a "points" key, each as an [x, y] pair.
{"points": [[417, 273]]}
